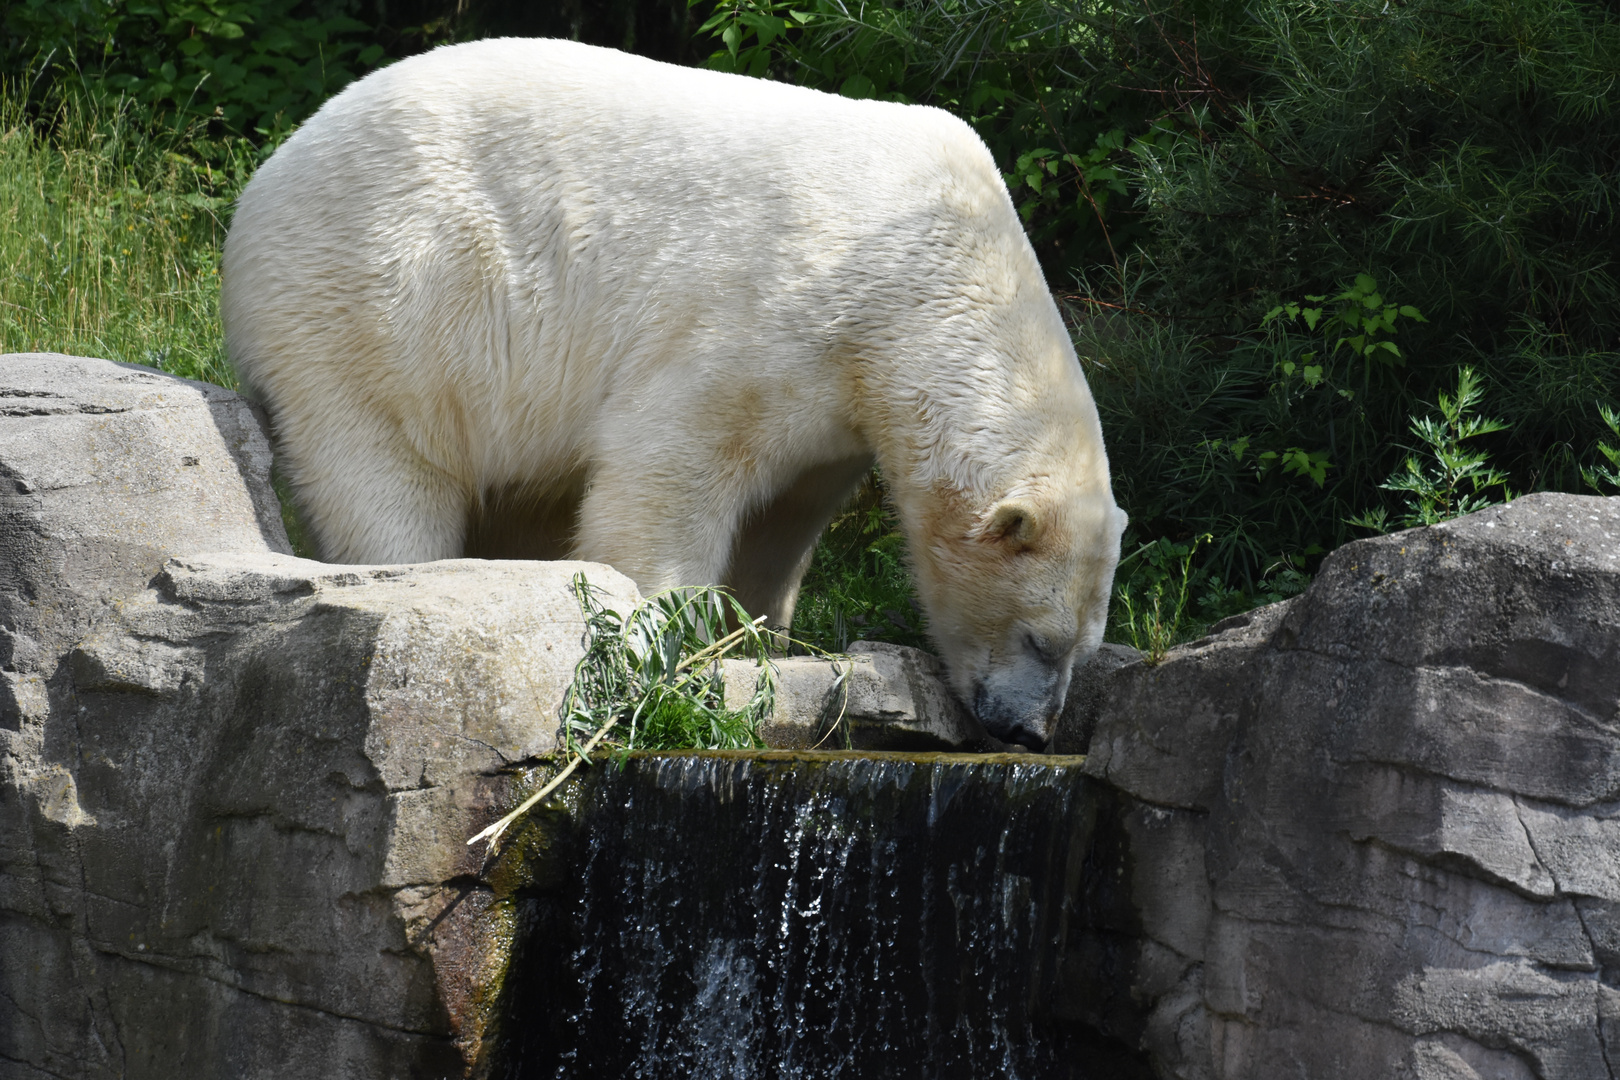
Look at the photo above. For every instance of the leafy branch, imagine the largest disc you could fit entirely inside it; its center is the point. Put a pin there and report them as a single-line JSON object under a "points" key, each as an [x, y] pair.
{"points": [[1598, 475], [1458, 479], [653, 679]]}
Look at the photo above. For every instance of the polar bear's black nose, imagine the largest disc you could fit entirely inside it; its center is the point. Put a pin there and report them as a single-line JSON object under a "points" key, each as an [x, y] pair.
{"points": [[1000, 720], [1022, 736]]}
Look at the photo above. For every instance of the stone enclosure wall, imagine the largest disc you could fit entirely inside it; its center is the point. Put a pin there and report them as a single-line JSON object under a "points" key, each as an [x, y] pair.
{"points": [[1374, 831]]}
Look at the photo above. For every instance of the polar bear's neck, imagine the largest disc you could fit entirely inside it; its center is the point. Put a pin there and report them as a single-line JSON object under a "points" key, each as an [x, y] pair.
{"points": [[985, 403]]}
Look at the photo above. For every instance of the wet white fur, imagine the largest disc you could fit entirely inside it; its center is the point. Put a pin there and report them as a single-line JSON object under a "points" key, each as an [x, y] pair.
{"points": [[509, 261]]}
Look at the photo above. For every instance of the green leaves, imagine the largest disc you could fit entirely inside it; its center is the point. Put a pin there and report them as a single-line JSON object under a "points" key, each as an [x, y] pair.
{"points": [[858, 586], [1150, 596], [1597, 477], [1456, 480], [1359, 324], [1311, 464], [655, 672], [256, 64]]}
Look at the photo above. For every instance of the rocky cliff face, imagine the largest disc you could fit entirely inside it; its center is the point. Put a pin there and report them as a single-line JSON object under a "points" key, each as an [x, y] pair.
{"points": [[235, 786], [1371, 832]]}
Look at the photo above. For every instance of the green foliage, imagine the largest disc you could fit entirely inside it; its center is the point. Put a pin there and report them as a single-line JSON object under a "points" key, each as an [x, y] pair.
{"points": [[110, 234], [1598, 477], [653, 678], [654, 673], [1457, 481], [1162, 599], [1363, 319], [858, 586], [1151, 604], [258, 65]]}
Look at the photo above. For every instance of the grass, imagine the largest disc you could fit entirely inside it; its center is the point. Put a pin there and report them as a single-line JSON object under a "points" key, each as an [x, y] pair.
{"points": [[110, 237]]}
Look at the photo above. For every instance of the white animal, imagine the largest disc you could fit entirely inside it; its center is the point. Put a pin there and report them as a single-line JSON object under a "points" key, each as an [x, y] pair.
{"points": [[530, 297]]}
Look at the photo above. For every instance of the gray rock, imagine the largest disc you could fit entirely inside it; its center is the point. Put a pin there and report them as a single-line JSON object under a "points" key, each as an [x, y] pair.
{"points": [[253, 796], [1369, 832], [1405, 780], [878, 697], [105, 470], [1089, 687]]}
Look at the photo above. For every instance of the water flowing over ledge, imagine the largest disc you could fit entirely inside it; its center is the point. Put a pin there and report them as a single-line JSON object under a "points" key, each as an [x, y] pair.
{"points": [[825, 915]]}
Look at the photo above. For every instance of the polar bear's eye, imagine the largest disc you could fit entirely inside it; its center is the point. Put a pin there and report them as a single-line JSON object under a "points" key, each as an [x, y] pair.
{"points": [[1044, 650]]}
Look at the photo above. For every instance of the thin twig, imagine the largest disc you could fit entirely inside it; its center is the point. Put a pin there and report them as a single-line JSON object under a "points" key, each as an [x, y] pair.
{"points": [[495, 830]]}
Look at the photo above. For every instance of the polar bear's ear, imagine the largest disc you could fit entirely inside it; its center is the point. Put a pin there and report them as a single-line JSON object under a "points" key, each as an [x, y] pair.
{"points": [[1015, 521]]}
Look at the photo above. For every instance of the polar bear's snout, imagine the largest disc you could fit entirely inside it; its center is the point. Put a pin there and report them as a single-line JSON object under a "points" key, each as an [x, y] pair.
{"points": [[1018, 701], [1012, 644]]}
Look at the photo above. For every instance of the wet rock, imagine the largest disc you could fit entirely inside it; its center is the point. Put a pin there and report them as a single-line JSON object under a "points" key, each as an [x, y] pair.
{"points": [[1089, 687]]}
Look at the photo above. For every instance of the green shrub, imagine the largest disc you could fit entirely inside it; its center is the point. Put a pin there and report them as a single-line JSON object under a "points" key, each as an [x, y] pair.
{"points": [[1458, 479], [651, 679], [256, 65], [1601, 477]]}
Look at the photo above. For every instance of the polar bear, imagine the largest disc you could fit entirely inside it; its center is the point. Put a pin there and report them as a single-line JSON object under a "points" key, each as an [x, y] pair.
{"points": [[534, 298]]}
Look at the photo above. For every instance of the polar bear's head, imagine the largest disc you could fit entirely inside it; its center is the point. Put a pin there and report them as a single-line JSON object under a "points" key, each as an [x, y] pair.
{"points": [[1017, 591]]}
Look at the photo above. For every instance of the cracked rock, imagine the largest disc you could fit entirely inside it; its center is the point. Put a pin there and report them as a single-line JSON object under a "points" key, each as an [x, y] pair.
{"points": [[1407, 778]]}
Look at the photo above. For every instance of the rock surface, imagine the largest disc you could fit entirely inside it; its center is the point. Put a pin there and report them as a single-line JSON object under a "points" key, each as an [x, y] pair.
{"points": [[1374, 830], [106, 470], [242, 833], [878, 697]]}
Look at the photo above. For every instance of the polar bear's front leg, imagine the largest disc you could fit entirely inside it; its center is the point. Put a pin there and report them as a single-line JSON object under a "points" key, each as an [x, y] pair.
{"points": [[367, 497], [662, 530]]}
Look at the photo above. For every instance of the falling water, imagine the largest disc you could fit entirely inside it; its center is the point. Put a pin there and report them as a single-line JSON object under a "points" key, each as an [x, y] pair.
{"points": [[824, 916]]}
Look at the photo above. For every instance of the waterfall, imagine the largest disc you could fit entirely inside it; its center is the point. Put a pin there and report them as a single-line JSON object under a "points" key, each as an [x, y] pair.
{"points": [[821, 916]]}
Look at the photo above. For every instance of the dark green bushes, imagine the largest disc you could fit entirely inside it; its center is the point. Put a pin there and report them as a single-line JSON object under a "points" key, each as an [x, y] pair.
{"points": [[255, 65], [257, 68]]}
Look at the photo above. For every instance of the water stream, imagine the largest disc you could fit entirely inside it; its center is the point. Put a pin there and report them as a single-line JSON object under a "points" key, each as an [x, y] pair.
{"points": [[824, 916]]}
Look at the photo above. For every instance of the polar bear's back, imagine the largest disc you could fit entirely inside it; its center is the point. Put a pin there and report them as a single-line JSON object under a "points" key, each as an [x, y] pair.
{"points": [[518, 230]]}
